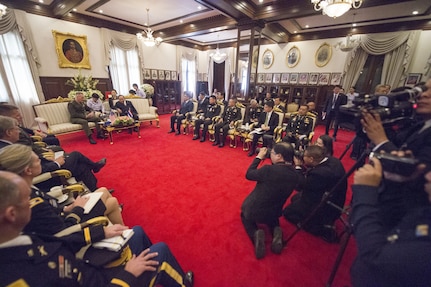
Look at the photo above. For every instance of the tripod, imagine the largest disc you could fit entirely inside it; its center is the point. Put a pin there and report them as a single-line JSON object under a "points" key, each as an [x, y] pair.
{"points": [[324, 201]]}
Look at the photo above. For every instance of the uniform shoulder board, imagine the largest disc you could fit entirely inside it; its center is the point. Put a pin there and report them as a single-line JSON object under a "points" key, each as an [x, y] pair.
{"points": [[35, 201]]}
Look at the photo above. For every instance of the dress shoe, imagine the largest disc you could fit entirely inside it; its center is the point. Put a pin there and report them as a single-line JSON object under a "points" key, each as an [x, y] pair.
{"points": [[171, 131], [259, 244], [92, 141], [202, 139], [221, 144], [277, 240], [196, 137], [334, 138], [111, 190], [121, 206], [177, 133], [130, 131], [215, 143], [101, 163], [189, 278], [136, 129], [251, 153], [101, 136]]}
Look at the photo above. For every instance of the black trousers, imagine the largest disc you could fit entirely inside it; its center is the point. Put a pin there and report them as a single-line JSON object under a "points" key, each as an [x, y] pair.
{"points": [[267, 140], [81, 168], [333, 115], [250, 224], [178, 119], [225, 128], [205, 128]]}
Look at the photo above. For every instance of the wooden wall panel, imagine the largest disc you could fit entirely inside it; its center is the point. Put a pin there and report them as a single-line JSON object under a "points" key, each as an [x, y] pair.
{"points": [[53, 87]]}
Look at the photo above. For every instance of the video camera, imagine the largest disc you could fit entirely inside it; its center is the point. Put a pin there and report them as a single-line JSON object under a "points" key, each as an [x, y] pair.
{"points": [[392, 107], [404, 166]]}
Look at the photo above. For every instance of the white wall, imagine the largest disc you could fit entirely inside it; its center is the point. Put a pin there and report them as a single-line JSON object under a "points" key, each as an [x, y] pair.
{"points": [[162, 57], [421, 54], [44, 40]]}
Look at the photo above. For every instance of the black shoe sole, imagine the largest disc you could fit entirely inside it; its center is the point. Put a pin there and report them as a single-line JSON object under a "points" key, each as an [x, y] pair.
{"points": [[259, 244], [277, 241]]}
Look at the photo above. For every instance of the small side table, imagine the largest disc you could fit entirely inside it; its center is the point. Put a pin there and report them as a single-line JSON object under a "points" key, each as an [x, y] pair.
{"points": [[110, 129]]}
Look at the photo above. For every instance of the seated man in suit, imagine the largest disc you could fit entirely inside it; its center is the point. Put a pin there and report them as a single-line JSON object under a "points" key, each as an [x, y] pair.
{"points": [[299, 128], [178, 116], [220, 99], [34, 255], [231, 114], [322, 175], [252, 113], [211, 110], [278, 106], [268, 121], [13, 111], [202, 103], [274, 185], [81, 114], [126, 108]]}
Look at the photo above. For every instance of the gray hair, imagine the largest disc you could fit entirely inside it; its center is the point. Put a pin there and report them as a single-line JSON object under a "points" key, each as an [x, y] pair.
{"points": [[6, 123], [9, 190]]}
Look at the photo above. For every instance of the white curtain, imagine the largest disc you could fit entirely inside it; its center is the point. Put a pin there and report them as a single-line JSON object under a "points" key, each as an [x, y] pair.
{"points": [[125, 69], [16, 76], [188, 76], [227, 70], [353, 66]]}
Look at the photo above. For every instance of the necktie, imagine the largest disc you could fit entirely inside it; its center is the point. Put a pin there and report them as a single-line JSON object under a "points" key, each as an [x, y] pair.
{"points": [[334, 100], [266, 119]]}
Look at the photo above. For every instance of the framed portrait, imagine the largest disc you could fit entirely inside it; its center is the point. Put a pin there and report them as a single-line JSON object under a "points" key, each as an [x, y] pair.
{"points": [[413, 79], [323, 55], [147, 74], [303, 78], [335, 79], [324, 79], [167, 75], [261, 78], [293, 78], [154, 75], [293, 56], [161, 75], [276, 78], [252, 77], [72, 51], [267, 59], [173, 75], [255, 58], [313, 79], [268, 78], [284, 78]]}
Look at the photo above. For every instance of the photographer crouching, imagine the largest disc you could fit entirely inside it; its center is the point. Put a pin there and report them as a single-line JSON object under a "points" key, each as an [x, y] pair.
{"points": [[399, 198], [400, 256]]}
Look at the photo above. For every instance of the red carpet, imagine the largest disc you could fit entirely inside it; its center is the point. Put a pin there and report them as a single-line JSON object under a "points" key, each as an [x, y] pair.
{"points": [[188, 194]]}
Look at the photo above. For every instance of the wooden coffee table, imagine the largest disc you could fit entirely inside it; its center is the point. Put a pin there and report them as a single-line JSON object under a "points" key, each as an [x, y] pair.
{"points": [[110, 129]]}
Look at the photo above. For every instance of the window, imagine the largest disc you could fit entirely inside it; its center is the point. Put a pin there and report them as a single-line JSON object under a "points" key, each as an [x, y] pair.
{"points": [[189, 75], [371, 74], [124, 69], [16, 81]]}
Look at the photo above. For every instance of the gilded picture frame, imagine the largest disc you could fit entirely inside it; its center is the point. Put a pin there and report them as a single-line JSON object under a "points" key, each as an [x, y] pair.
{"points": [[323, 55], [267, 59], [72, 51], [293, 56]]}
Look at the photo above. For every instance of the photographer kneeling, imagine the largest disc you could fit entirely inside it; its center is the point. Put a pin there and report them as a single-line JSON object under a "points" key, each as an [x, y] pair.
{"points": [[400, 257]]}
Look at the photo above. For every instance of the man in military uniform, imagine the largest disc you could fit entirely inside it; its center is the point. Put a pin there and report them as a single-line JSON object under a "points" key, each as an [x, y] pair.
{"points": [[81, 114], [299, 127], [268, 121], [312, 108], [211, 111], [202, 103], [278, 106], [253, 112], [231, 114], [29, 260], [220, 99]]}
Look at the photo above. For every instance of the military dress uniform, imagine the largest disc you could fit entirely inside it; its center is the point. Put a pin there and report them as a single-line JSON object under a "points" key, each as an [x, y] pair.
{"points": [[298, 126], [253, 114], [230, 115], [211, 111]]}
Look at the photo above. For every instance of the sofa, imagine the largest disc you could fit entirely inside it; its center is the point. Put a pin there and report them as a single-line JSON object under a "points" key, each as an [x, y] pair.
{"points": [[53, 116]]}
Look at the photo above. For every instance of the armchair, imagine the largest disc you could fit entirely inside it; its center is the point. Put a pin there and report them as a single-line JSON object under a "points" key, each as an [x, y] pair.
{"points": [[186, 123]]}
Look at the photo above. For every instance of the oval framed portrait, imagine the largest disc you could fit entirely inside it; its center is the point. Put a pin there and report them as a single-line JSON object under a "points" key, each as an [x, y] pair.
{"points": [[323, 55], [293, 56], [267, 59]]}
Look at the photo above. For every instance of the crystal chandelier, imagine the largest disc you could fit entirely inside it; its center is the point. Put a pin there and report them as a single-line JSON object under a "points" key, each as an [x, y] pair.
{"points": [[335, 8], [348, 45], [147, 35], [2, 10], [218, 57]]}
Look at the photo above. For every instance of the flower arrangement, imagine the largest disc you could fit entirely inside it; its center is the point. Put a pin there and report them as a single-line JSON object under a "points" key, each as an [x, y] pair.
{"points": [[122, 121], [84, 84], [148, 89]]}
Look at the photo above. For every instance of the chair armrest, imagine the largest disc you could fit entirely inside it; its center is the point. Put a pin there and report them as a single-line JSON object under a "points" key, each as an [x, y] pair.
{"points": [[78, 188], [153, 110], [41, 120], [36, 138], [48, 175]]}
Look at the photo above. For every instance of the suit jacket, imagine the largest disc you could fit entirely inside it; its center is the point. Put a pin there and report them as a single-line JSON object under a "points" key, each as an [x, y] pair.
{"points": [[186, 107], [3, 144], [280, 107], [274, 185], [78, 110], [125, 108], [272, 123], [202, 105], [315, 183], [341, 100]]}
